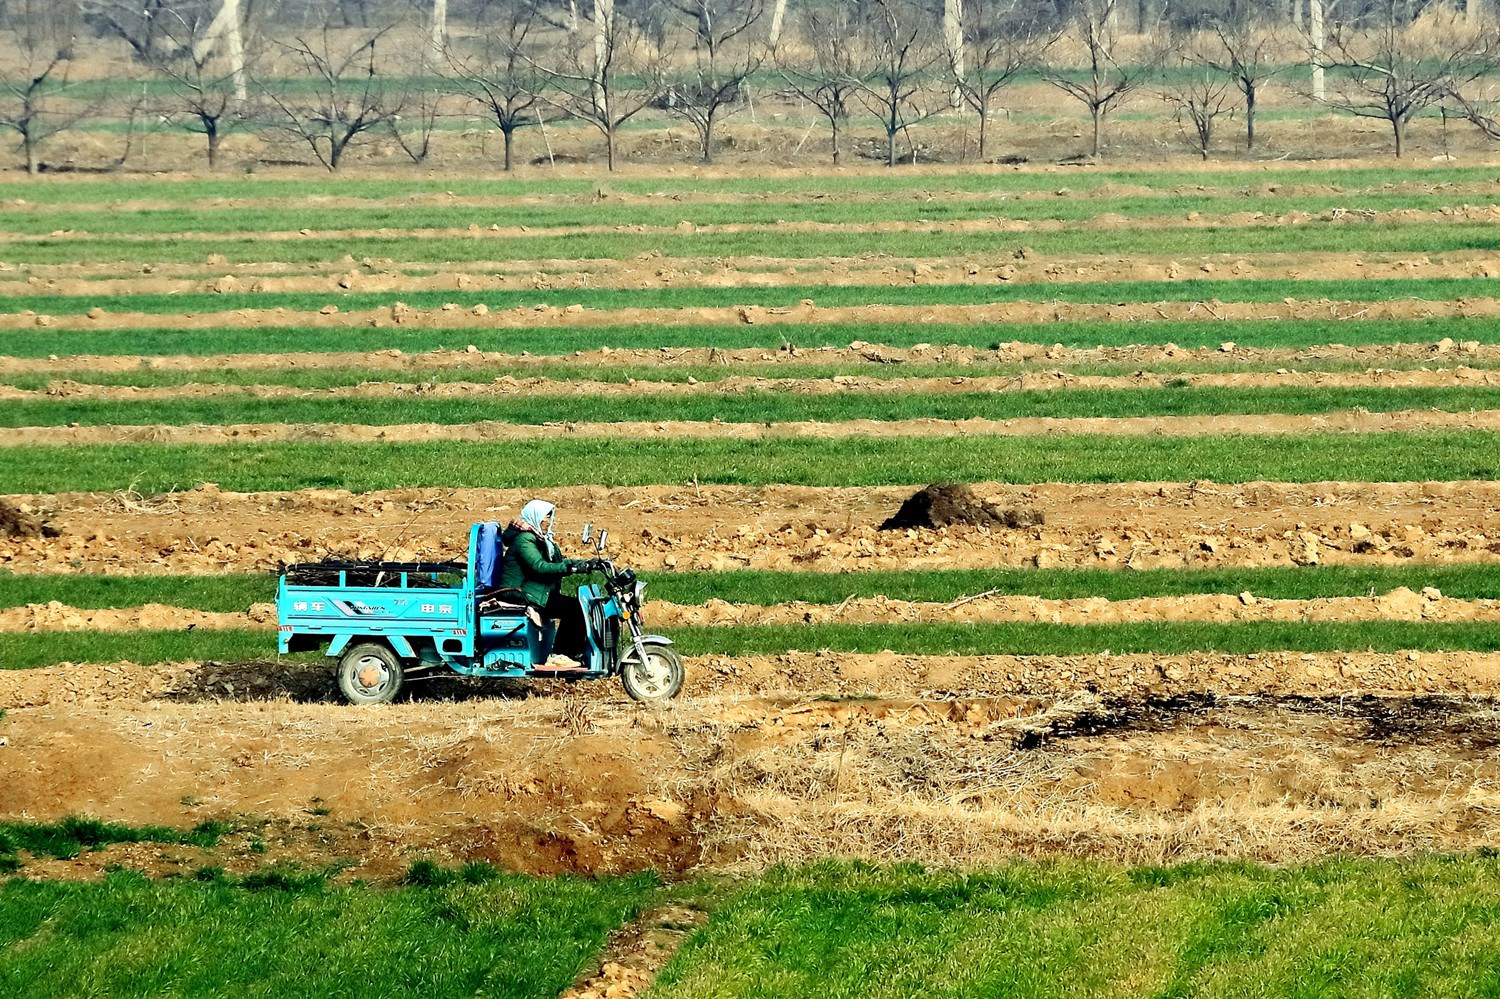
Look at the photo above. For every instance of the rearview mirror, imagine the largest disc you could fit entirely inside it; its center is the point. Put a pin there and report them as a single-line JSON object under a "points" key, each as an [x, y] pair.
{"points": [[603, 539], [588, 533]]}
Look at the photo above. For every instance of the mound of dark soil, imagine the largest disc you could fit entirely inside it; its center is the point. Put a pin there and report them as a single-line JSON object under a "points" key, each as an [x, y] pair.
{"points": [[951, 505], [15, 523]]}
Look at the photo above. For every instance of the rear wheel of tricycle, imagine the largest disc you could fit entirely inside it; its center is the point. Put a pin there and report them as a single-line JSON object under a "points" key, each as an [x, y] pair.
{"points": [[658, 678], [370, 674]]}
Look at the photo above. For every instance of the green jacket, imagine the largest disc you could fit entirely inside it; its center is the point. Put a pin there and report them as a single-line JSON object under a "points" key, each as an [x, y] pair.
{"points": [[529, 567]]}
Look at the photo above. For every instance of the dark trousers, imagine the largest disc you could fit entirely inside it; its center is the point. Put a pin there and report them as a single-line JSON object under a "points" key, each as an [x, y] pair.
{"points": [[568, 614]]}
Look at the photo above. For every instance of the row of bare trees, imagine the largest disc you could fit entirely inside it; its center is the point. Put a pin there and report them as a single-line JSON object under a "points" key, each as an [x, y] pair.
{"points": [[326, 73]]}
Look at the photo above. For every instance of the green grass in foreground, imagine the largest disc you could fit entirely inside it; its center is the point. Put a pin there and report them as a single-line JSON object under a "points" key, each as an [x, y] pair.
{"points": [[853, 461], [230, 593], [1106, 292], [28, 650], [778, 406], [1291, 333], [1346, 928], [513, 937]]}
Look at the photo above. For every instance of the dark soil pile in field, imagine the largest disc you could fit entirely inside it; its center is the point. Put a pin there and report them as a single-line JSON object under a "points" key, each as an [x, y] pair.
{"points": [[951, 505], [16, 523]]}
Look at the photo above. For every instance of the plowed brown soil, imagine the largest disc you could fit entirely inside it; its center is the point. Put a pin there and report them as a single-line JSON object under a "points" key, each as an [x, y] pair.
{"points": [[1339, 421], [508, 386], [729, 777], [575, 315], [1139, 525], [880, 361]]}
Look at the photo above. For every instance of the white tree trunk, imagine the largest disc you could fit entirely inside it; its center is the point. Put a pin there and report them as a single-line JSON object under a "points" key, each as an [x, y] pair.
{"points": [[1297, 14], [953, 34], [1315, 37], [1474, 11], [438, 33], [604, 15], [226, 25], [778, 18]]}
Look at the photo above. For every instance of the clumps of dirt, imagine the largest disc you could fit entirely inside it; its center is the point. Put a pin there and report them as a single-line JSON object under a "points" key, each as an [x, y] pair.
{"points": [[953, 505], [17, 523]]}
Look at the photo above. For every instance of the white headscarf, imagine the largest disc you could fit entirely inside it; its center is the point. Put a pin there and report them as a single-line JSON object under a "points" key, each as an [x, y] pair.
{"points": [[536, 511]]}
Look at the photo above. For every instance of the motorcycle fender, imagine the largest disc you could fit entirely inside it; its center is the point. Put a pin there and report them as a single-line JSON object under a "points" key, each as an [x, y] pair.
{"points": [[645, 640]]}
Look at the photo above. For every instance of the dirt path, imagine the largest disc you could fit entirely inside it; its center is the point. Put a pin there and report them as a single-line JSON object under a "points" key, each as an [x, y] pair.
{"points": [[1339, 421], [589, 782], [1401, 604], [574, 315], [881, 362], [1136, 525], [876, 271], [507, 386]]}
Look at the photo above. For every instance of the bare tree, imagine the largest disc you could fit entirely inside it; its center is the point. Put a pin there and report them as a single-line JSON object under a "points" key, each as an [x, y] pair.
{"points": [[724, 56], [207, 88], [1106, 78], [139, 23], [904, 55], [338, 92], [1391, 70], [35, 101], [610, 80], [1250, 53], [500, 72], [1199, 94], [1001, 40], [825, 71]]}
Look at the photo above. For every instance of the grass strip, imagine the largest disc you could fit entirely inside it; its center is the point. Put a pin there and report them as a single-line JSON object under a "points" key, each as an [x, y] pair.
{"points": [[773, 246], [512, 936], [68, 838], [927, 186], [1343, 927], [851, 461], [780, 406], [828, 296], [578, 213], [29, 650], [236, 592], [1268, 333]]}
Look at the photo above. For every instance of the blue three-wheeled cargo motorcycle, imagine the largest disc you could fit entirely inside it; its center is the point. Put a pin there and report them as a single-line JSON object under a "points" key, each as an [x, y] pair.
{"points": [[387, 623]]}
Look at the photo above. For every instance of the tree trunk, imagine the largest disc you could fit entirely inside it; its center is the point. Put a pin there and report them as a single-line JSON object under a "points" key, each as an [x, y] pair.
{"points": [[211, 130], [953, 35], [778, 18], [33, 167], [604, 14], [1250, 116], [437, 31], [510, 138], [1297, 14], [834, 122], [707, 135], [609, 148], [890, 147], [1474, 11], [1315, 36], [1097, 129], [1398, 127], [984, 120]]}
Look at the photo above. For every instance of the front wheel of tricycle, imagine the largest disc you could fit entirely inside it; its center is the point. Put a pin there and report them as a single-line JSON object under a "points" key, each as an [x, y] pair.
{"points": [[658, 678], [370, 674]]}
